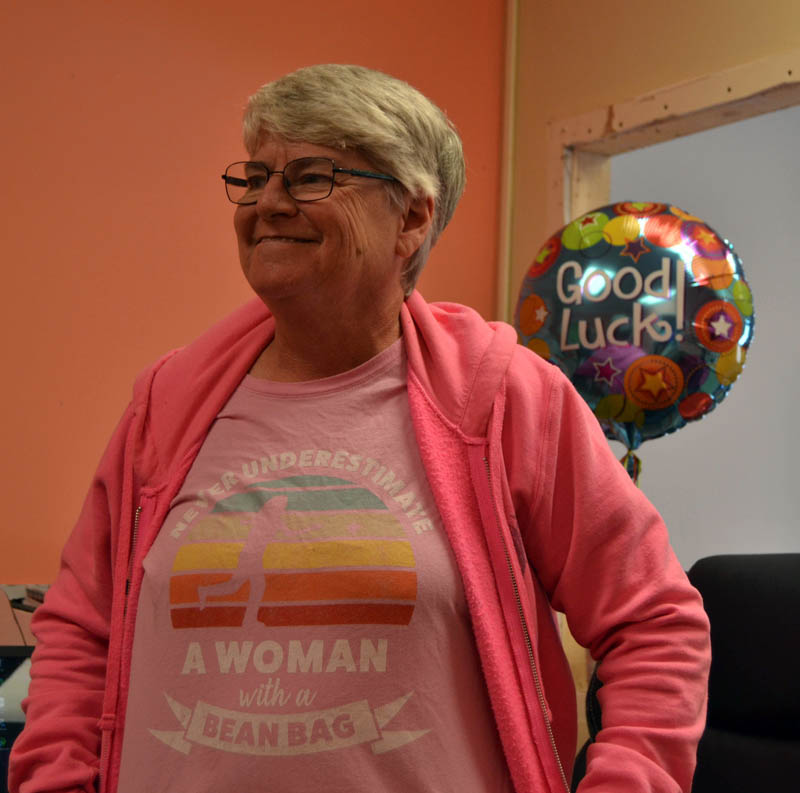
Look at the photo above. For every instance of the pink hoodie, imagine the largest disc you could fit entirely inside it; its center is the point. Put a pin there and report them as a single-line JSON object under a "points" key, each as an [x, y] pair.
{"points": [[536, 508]]}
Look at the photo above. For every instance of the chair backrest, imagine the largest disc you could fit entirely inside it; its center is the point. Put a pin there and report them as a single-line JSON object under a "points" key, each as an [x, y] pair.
{"points": [[753, 603], [752, 737]]}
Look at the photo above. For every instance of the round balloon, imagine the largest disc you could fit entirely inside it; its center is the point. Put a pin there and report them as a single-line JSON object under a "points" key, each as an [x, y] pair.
{"points": [[645, 308]]}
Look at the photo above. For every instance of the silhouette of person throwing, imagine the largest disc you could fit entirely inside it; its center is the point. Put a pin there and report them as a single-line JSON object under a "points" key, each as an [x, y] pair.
{"points": [[250, 569]]}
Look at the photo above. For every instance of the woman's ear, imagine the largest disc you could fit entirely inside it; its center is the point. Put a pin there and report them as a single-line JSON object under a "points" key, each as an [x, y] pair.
{"points": [[417, 220]]}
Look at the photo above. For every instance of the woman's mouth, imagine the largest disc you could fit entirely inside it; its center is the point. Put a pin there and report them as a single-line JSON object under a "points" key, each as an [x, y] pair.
{"points": [[279, 238]]}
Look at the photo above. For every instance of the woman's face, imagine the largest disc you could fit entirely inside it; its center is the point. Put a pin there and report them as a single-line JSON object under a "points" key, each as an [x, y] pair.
{"points": [[346, 250]]}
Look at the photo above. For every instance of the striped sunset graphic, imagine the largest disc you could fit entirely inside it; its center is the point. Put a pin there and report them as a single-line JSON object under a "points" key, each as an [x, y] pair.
{"points": [[298, 551]]}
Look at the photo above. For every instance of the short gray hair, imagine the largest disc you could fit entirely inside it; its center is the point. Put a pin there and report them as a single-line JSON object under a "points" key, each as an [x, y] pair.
{"points": [[398, 130]]}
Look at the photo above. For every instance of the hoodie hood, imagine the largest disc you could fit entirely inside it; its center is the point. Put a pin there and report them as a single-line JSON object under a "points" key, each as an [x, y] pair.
{"points": [[461, 379]]}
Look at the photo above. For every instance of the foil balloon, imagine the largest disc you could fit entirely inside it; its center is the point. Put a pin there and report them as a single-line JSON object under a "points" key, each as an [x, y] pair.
{"points": [[646, 310]]}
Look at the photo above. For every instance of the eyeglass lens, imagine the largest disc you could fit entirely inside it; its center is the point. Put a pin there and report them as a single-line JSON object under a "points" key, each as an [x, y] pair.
{"points": [[306, 179]]}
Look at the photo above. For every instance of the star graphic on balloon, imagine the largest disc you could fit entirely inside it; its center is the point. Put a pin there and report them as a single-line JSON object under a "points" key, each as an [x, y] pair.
{"points": [[588, 221], [532, 314], [705, 236], [653, 382], [545, 252], [721, 325], [704, 240], [605, 371], [635, 249]]}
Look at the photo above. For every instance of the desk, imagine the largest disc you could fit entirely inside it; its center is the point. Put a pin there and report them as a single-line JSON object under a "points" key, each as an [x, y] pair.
{"points": [[14, 631]]}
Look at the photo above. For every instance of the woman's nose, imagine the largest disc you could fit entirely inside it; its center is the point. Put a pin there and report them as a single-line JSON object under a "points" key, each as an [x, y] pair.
{"points": [[274, 198]]}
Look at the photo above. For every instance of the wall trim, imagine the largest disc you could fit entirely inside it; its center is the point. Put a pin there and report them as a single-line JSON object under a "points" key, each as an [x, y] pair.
{"points": [[580, 147], [503, 286]]}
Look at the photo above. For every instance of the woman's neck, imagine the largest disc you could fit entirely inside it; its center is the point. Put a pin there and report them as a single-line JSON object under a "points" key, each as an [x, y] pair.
{"points": [[308, 349]]}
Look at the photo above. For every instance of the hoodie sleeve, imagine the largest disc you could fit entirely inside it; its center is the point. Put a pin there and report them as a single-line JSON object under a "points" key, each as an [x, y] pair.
{"points": [[602, 553], [59, 748]]}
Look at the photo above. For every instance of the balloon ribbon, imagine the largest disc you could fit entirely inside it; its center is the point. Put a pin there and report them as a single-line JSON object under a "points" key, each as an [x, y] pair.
{"points": [[633, 465]]}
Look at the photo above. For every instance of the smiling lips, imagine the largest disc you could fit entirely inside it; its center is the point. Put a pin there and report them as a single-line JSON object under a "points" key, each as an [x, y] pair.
{"points": [[279, 238]]}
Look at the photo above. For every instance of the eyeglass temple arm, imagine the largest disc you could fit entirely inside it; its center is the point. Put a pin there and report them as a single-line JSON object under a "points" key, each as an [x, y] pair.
{"points": [[234, 180], [369, 174]]}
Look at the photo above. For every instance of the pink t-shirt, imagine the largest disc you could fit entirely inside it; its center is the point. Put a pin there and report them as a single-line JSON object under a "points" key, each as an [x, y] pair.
{"points": [[302, 623]]}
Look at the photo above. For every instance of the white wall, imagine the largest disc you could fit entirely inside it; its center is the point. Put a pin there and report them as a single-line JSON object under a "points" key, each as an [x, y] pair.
{"points": [[729, 482]]}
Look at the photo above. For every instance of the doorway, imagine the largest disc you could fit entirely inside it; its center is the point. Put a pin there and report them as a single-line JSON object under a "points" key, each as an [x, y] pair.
{"points": [[725, 483]]}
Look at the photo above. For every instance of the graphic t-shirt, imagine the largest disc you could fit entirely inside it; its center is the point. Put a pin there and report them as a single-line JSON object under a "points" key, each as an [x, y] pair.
{"points": [[302, 624]]}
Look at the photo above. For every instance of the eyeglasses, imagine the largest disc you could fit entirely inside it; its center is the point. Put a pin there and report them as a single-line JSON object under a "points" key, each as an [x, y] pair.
{"points": [[305, 179]]}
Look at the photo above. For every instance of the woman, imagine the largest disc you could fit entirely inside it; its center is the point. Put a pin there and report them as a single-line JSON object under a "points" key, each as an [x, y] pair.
{"points": [[322, 547]]}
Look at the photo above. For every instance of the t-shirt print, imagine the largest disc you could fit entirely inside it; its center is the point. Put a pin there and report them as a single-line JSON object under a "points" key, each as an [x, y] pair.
{"points": [[325, 552], [296, 551]]}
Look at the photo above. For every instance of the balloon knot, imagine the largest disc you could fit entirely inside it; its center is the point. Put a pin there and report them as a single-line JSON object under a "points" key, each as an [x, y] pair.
{"points": [[633, 465]]}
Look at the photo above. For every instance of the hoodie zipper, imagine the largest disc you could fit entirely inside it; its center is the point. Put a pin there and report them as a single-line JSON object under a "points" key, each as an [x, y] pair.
{"points": [[132, 552], [526, 634]]}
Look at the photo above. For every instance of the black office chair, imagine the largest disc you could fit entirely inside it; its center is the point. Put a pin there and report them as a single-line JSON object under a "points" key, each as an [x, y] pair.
{"points": [[752, 738], [751, 742]]}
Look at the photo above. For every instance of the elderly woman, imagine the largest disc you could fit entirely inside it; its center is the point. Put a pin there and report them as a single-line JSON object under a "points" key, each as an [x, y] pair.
{"points": [[321, 550]]}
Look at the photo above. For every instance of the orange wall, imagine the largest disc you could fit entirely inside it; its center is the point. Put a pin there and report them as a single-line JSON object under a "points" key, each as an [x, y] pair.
{"points": [[575, 57], [117, 241]]}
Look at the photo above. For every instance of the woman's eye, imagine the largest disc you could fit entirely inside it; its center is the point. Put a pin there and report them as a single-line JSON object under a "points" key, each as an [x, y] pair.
{"points": [[256, 181], [312, 178]]}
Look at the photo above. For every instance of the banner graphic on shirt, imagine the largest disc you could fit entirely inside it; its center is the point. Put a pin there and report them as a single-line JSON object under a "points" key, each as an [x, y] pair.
{"points": [[286, 734], [299, 550]]}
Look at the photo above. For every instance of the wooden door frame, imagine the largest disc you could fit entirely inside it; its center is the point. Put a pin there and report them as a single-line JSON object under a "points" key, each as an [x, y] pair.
{"points": [[580, 148]]}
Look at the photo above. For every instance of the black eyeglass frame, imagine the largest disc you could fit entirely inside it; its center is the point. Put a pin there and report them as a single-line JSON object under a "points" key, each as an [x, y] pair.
{"points": [[233, 180]]}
